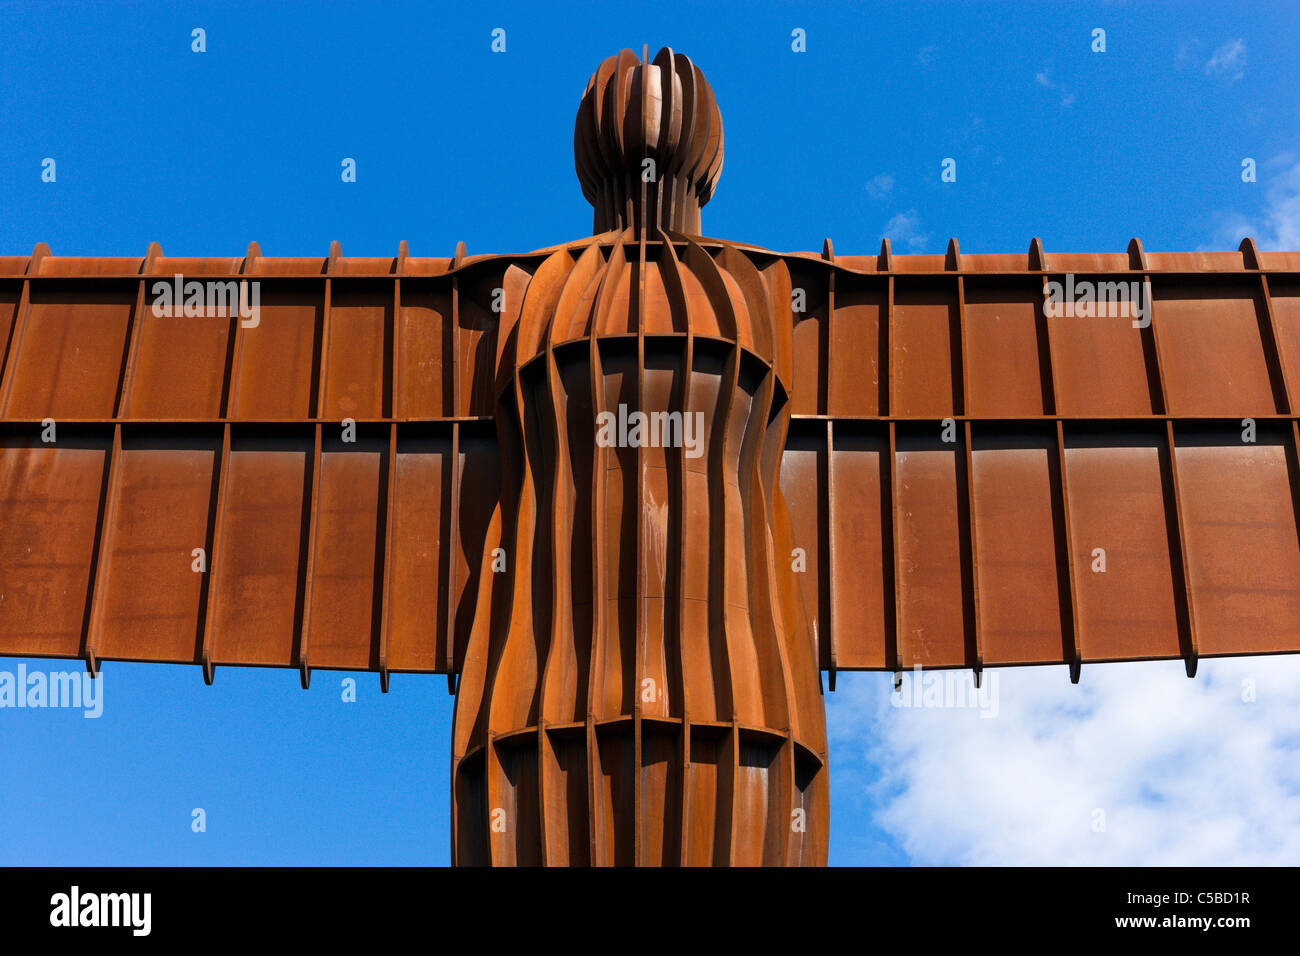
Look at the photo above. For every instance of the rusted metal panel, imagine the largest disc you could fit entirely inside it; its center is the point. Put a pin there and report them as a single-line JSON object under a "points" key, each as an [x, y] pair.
{"points": [[804, 481], [424, 351], [277, 361], [661, 822], [474, 500], [356, 366], [565, 786], [1243, 556], [160, 386], [1103, 368], [858, 334], [11, 294], [759, 785], [156, 540], [259, 556], [1127, 577], [809, 294], [50, 503], [347, 542], [926, 350], [419, 548], [861, 517], [65, 359], [1019, 530], [935, 601], [1284, 294], [1212, 350], [712, 773], [1007, 366], [479, 297]]}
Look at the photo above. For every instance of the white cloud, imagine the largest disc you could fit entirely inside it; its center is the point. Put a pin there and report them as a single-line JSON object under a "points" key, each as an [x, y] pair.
{"points": [[880, 186], [1277, 225], [905, 228], [1228, 60], [1043, 79], [1185, 771]]}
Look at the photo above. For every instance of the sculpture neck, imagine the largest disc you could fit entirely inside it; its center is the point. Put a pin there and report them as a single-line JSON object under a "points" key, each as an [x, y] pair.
{"points": [[666, 202]]}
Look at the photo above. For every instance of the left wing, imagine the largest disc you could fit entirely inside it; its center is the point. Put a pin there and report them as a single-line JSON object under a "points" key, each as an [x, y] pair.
{"points": [[300, 475]]}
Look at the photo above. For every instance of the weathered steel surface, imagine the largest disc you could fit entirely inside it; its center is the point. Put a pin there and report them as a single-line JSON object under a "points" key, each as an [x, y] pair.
{"points": [[903, 461], [641, 609]]}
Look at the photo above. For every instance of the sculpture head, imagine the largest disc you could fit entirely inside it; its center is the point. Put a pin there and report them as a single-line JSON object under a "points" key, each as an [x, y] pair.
{"points": [[647, 143]]}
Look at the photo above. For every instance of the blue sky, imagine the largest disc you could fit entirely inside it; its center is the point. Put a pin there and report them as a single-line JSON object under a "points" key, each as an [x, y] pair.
{"points": [[206, 152]]}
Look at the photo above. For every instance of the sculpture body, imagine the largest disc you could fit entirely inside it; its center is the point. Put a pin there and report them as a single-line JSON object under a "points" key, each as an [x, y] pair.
{"points": [[635, 493], [640, 685]]}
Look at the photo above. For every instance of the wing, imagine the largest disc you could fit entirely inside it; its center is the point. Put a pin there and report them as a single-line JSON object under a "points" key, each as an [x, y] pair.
{"points": [[182, 487], [1106, 487]]}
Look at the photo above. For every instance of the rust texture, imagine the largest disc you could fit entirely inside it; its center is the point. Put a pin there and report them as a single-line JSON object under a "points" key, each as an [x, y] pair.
{"points": [[900, 461], [652, 125]]}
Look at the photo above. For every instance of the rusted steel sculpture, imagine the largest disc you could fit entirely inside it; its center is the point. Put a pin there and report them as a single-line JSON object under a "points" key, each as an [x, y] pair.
{"points": [[651, 619], [633, 493]]}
